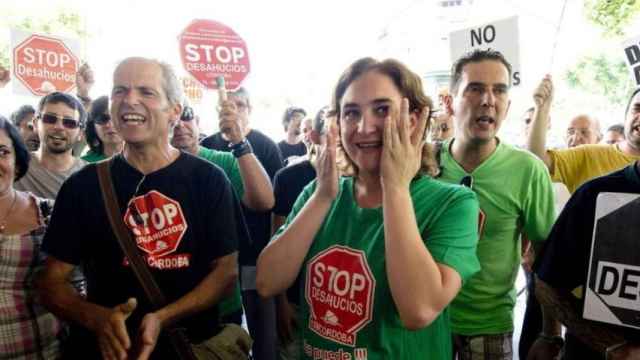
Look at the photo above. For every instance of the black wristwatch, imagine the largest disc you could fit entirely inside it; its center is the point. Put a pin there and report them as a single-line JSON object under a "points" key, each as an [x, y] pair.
{"points": [[241, 148], [554, 340]]}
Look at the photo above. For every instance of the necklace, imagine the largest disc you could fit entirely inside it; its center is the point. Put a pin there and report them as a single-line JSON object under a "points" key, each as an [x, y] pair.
{"points": [[3, 222]]}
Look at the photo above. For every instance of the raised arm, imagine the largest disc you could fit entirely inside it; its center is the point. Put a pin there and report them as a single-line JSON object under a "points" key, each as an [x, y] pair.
{"points": [[287, 252], [421, 288], [537, 140], [258, 193]]}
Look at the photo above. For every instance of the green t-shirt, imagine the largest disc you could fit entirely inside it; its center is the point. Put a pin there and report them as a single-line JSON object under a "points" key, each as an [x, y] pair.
{"points": [[92, 157], [229, 165], [516, 196], [345, 281]]}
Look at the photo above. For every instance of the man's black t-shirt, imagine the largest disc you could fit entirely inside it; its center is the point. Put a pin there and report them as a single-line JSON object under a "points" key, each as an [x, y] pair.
{"points": [[190, 217], [259, 223], [565, 257], [288, 184], [287, 150]]}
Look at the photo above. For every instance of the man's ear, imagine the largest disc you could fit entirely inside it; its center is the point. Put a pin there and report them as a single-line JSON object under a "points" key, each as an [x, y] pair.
{"points": [[176, 111], [448, 104]]}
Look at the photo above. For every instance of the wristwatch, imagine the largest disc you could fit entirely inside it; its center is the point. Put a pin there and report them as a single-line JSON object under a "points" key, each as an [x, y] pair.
{"points": [[241, 148], [552, 339]]}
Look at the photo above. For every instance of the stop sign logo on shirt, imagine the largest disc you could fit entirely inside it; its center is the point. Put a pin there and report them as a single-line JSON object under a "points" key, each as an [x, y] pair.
{"points": [[209, 49], [44, 64], [340, 291], [160, 225]]}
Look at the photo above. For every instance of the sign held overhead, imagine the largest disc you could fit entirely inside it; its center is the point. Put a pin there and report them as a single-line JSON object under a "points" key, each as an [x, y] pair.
{"points": [[43, 63], [501, 35], [632, 57], [209, 49]]}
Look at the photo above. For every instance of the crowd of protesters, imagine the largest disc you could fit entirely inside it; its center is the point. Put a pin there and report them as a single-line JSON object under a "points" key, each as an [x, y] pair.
{"points": [[383, 226]]}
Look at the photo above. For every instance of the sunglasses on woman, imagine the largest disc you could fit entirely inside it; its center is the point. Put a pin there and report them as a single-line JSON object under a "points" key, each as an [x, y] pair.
{"points": [[67, 122], [187, 114], [102, 119]]}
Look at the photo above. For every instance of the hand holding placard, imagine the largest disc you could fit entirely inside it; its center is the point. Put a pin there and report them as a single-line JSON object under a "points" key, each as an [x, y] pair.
{"points": [[228, 115]]}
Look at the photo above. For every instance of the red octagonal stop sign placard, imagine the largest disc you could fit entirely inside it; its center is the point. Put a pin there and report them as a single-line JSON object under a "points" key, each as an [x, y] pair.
{"points": [[44, 64], [339, 289], [209, 49], [160, 225]]}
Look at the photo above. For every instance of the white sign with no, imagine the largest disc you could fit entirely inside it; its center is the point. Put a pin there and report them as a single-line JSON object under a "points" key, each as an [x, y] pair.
{"points": [[501, 35]]}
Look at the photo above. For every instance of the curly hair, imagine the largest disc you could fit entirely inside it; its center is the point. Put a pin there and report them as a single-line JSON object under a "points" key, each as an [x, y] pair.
{"points": [[408, 84]]}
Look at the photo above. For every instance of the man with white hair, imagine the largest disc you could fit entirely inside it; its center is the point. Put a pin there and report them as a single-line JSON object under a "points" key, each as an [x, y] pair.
{"points": [[182, 213]]}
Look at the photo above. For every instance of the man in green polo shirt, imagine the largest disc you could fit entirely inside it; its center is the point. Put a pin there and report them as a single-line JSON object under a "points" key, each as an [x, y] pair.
{"points": [[515, 195], [246, 174]]}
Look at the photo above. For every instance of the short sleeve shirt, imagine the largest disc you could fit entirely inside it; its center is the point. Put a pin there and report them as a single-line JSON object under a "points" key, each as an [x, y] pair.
{"points": [[347, 307], [575, 166], [188, 217]]}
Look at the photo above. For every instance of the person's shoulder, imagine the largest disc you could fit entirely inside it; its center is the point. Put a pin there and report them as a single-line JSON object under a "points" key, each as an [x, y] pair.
{"points": [[613, 182], [211, 140], [189, 162], [589, 149], [213, 154], [299, 170], [258, 137], [79, 163], [517, 153], [87, 174], [523, 158]]}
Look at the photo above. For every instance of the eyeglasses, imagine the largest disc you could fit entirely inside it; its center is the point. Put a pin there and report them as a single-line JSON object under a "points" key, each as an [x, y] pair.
{"points": [[187, 114], [102, 119], [467, 181], [67, 122]]}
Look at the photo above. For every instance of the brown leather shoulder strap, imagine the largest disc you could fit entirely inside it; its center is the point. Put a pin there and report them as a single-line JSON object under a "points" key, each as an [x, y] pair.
{"points": [[126, 241], [177, 336]]}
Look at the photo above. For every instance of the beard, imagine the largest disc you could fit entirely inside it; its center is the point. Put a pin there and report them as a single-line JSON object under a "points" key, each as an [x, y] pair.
{"points": [[54, 148]]}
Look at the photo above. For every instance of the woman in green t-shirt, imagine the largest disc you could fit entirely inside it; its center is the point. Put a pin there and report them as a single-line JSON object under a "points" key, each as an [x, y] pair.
{"points": [[384, 249], [103, 139]]}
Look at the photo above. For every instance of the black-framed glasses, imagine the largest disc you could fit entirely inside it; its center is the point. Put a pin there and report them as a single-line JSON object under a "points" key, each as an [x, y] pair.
{"points": [[467, 181], [67, 122], [102, 119], [187, 114]]}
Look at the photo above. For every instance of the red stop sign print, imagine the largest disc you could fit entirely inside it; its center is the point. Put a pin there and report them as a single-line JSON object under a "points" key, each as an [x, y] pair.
{"points": [[43, 64], [162, 224], [209, 49], [340, 290]]}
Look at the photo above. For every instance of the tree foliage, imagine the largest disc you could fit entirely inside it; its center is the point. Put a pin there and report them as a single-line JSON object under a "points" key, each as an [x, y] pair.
{"points": [[63, 22], [603, 76], [612, 15]]}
